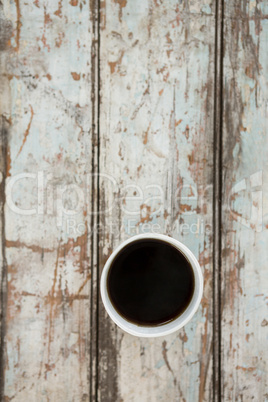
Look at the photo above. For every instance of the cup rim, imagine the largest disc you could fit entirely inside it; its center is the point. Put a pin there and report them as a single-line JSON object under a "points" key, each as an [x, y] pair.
{"points": [[164, 329]]}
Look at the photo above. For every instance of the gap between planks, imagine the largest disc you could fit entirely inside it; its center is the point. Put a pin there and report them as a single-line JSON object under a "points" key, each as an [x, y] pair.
{"points": [[3, 278], [95, 200], [217, 196]]}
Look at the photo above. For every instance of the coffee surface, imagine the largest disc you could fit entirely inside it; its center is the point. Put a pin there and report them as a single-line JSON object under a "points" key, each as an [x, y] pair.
{"points": [[150, 282]]}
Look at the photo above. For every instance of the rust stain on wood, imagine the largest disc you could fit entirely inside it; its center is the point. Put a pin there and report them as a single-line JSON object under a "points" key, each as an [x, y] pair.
{"points": [[247, 369], [114, 64], [8, 162], [145, 214], [27, 131], [59, 10], [164, 354], [59, 40], [19, 24], [52, 300], [44, 41], [185, 208], [47, 18], [36, 248], [183, 336], [76, 76], [122, 4], [146, 134]]}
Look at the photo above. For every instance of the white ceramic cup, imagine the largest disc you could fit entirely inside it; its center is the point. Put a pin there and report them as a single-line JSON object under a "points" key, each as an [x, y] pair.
{"points": [[164, 329]]}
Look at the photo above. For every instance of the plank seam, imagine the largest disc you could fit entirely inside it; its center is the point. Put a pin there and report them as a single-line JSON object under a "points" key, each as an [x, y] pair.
{"points": [[3, 289], [217, 196], [95, 197], [98, 201]]}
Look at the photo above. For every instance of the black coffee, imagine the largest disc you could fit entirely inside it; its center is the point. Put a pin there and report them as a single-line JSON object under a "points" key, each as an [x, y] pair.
{"points": [[150, 282]]}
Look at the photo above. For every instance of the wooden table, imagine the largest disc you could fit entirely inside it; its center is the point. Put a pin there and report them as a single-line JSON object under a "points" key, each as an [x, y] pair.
{"points": [[120, 117]]}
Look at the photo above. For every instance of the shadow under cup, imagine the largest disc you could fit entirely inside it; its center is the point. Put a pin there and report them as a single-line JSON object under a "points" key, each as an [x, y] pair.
{"points": [[151, 285]]}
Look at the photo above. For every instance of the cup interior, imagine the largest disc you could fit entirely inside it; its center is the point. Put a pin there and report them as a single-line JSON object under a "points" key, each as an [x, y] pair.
{"points": [[167, 328]]}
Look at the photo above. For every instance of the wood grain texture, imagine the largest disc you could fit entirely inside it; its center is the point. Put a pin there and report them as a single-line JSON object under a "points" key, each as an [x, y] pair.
{"points": [[156, 148], [47, 107], [245, 202]]}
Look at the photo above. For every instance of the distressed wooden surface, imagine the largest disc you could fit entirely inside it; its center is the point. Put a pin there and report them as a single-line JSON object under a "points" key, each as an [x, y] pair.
{"points": [[245, 203], [170, 111]]}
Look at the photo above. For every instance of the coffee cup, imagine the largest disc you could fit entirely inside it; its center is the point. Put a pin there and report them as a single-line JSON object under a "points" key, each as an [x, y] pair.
{"points": [[170, 326]]}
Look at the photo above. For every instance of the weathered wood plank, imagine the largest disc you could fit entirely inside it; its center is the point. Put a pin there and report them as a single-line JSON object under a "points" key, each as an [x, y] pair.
{"points": [[48, 249], [5, 34], [156, 148], [245, 201]]}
